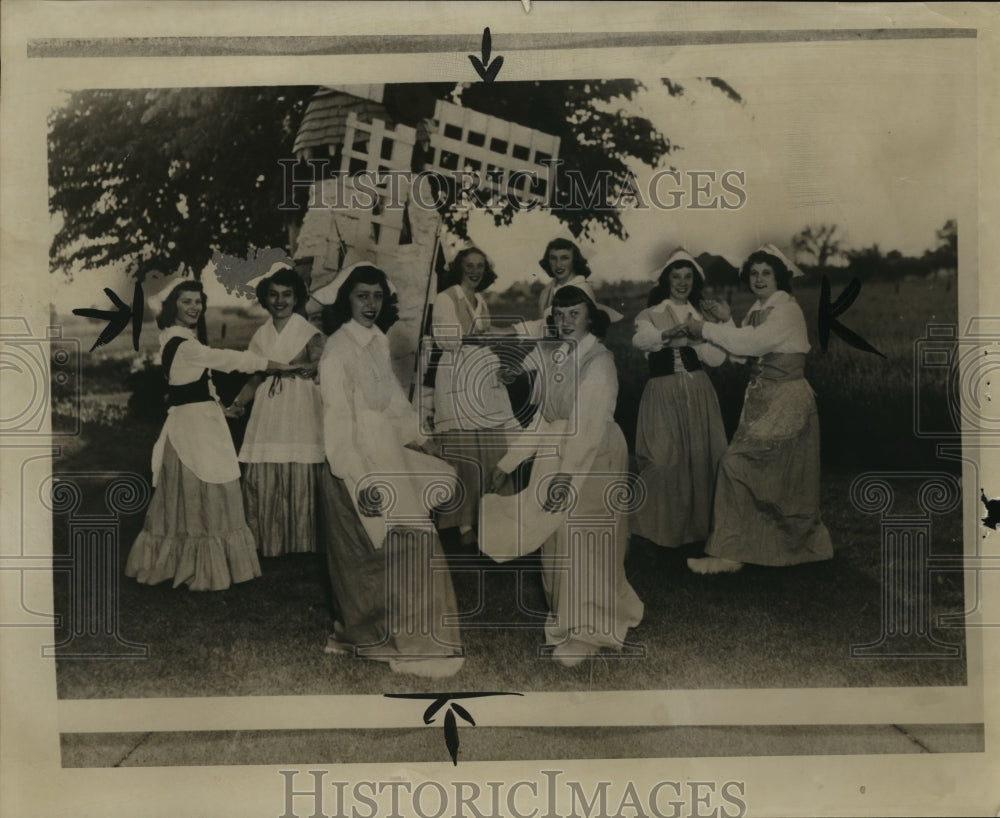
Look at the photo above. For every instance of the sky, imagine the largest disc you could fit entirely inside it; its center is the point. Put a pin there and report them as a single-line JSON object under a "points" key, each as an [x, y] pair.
{"points": [[881, 153]]}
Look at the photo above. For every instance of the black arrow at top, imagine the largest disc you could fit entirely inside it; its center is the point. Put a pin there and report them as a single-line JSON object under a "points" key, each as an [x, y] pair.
{"points": [[487, 70]]}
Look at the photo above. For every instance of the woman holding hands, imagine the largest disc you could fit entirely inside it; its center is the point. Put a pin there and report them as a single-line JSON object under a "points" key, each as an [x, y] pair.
{"points": [[283, 445], [570, 507], [195, 531], [680, 437], [766, 509]]}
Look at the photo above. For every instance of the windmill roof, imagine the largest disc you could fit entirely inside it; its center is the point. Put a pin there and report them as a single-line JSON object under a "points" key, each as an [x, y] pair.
{"points": [[325, 119]]}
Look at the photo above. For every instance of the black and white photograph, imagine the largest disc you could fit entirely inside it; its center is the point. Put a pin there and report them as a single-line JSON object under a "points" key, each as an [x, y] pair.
{"points": [[567, 410]]}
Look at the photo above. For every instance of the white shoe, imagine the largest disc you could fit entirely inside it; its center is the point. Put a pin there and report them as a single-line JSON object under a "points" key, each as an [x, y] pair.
{"points": [[335, 646], [428, 668], [714, 565], [572, 653]]}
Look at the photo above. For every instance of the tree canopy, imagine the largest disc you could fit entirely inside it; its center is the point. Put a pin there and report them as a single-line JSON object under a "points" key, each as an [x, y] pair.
{"points": [[169, 174], [174, 175]]}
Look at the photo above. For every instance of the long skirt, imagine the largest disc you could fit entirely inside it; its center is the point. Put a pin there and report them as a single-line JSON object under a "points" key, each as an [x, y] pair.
{"points": [[280, 501], [390, 603], [680, 439], [195, 532], [474, 454], [767, 494], [591, 602]]}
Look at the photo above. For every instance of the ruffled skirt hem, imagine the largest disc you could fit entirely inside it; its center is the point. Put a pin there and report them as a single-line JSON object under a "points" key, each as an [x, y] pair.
{"points": [[209, 563]]}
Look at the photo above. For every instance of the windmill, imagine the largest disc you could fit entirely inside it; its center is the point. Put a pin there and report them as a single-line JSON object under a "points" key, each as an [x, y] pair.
{"points": [[352, 126]]}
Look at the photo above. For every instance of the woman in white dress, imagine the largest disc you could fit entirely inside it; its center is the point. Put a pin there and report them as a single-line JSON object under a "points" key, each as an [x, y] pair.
{"points": [[766, 508], [680, 437], [471, 406], [391, 583], [195, 531], [283, 446], [572, 505]]}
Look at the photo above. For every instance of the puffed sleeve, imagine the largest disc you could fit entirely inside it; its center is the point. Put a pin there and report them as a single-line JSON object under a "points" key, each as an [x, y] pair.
{"points": [[647, 337], [223, 360], [597, 392], [709, 353], [783, 327], [339, 422]]}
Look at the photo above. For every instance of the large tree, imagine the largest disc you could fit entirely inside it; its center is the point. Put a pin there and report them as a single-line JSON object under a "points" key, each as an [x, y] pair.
{"points": [[173, 175], [169, 174]]}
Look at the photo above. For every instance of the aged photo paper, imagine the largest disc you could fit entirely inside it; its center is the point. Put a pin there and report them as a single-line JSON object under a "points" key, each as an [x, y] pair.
{"points": [[729, 547]]}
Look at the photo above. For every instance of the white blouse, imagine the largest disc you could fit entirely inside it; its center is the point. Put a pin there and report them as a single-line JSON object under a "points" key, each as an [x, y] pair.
{"points": [[367, 422], [783, 329], [575, 418], [467, 391], [590, 402], [284, 425], [446, 326], [198, 431]]}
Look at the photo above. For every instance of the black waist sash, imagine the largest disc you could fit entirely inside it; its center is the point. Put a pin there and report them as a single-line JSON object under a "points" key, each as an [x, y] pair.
{"points": [[662, 362], [194, 392]]}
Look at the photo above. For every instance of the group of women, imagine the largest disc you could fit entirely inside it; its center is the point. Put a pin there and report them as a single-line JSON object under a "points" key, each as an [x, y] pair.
{"points": [[336, 458]]}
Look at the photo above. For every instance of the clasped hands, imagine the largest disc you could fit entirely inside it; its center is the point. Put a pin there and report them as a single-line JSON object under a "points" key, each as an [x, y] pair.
{"points": [[717, 312], [300, 370]]}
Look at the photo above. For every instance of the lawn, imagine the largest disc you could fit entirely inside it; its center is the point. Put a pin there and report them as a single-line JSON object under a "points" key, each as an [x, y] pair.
{"points": [[790, 627]]}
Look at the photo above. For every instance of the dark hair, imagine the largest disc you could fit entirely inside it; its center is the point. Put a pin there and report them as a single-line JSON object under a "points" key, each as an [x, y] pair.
{"points": [[782, 275], [338, 313], [453, 275], [285, 277], [168, 314], [571, 296], [661, 292], [580, 266]]}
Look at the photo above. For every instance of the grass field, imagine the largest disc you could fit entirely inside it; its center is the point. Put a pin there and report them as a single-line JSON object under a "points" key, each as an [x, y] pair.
{"points": [[789, 627]]}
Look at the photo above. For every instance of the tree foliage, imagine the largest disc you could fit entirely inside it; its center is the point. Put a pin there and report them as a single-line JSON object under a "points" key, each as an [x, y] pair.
{"points": [[169, 174]]}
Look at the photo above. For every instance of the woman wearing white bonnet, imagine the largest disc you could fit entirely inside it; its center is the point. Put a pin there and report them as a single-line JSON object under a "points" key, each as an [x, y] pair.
{"points": [[766, 509], [680, 437]]}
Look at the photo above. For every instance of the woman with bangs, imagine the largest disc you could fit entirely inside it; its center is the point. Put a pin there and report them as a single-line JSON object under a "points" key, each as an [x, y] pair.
{"points": [[195, 531], [680, 437], [471, 405], [766, 509], [569, 508], [391, 586], [282, 449]]}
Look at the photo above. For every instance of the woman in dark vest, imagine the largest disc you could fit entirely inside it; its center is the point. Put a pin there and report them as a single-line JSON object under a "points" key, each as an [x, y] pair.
{"points": [[195, 531], [680, 437]]}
